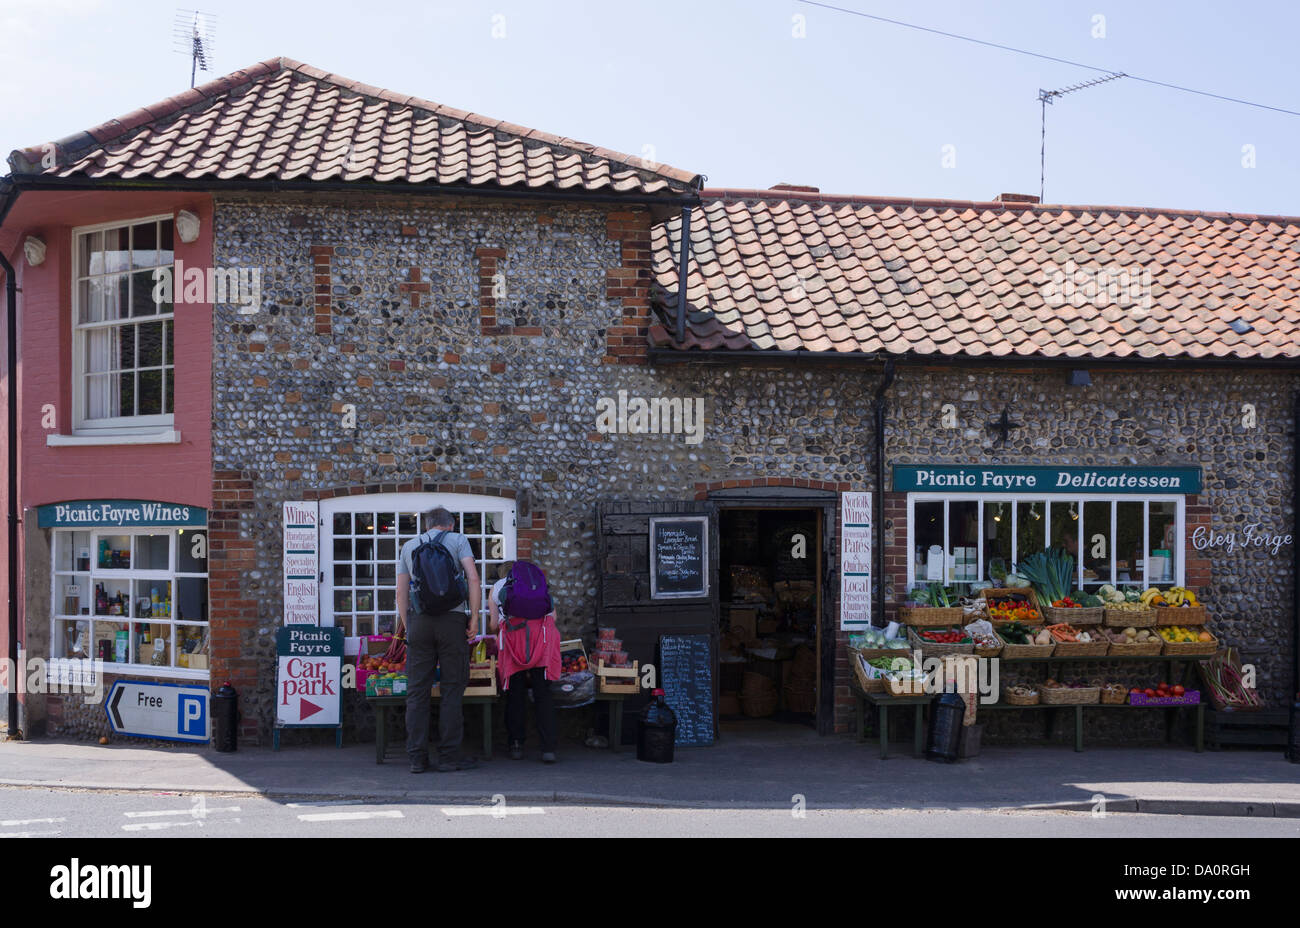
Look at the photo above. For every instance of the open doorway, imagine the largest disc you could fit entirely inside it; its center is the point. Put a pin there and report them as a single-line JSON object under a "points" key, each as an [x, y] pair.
{"points": [[769, 616]]}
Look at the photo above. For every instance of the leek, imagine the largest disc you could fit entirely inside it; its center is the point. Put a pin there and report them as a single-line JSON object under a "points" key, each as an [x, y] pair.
{"points": [[1051, 573]]}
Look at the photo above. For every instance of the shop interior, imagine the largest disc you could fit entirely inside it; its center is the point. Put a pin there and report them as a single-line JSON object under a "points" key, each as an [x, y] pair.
{"points": [[769, 563]]}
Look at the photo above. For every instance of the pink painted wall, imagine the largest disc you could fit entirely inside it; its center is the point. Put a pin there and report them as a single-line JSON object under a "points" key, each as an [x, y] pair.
{"points": [[179, 473]]}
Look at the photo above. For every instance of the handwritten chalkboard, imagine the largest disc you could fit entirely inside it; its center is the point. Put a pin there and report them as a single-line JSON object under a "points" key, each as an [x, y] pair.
{"points": [[679, 557], [686, 675]]}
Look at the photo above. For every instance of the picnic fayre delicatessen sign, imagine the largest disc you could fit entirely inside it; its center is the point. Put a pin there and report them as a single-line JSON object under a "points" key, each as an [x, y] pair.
{"points": [[1072, 479]]}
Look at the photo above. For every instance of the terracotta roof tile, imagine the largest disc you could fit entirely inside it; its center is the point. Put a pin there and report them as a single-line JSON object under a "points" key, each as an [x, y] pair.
{"points": [[774, 270], [281, 119]]}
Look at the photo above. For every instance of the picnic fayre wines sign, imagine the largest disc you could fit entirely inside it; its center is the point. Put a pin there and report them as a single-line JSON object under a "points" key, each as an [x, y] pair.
{"points": [[301, 563], [118, 513], [855, 560], [996, 478]]}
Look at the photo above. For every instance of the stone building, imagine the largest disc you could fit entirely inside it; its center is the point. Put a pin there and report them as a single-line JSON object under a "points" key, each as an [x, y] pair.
{"points": [[450, 310]]}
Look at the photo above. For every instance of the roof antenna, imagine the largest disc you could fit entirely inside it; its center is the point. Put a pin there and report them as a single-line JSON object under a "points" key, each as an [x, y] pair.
{"points": [[192, 32], [1049, 96]]}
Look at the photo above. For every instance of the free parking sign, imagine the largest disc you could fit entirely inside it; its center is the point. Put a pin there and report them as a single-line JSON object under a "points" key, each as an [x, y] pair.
{"points": [[167, 711]]}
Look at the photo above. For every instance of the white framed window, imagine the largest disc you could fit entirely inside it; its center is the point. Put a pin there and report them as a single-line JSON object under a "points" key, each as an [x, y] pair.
{"points": [[1125, 541], [361, 537], [135, 597], [123, 337]]}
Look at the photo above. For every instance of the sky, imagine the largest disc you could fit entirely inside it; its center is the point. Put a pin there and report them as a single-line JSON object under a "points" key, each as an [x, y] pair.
{"points": [[756, 93]]}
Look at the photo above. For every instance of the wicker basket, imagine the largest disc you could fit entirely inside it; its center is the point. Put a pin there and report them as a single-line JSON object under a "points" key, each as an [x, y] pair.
{"points": [[757, 684], [798, 699], [1011, 699], [1010, 650], [989, 652], [907, 687], [929, 616], [728, 704], [1069, 696], [1181, 615], [1078, 615], [1114, 696], [1025, 593], [757, 707], [1191, 648], [1081, 649], [1128, 618], [1142, 649], [869, 684], [935, 648]]}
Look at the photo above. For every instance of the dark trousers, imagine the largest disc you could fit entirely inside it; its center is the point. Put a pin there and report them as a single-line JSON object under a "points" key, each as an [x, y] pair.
{"points": [[432, 640], [517, 706]]}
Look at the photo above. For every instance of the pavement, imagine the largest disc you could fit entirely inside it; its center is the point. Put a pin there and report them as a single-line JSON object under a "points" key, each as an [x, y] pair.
{"points": [[755, 766]]}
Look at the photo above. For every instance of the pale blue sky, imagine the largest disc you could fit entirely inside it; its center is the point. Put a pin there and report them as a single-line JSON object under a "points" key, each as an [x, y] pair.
{"points": [[724, 88]]}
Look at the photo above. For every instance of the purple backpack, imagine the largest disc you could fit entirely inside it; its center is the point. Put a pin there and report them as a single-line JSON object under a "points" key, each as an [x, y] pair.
{"points": [[525, 595]]}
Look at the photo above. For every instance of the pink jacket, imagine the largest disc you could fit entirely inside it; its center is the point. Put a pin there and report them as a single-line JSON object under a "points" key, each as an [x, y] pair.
{"points": [[536, 644]]}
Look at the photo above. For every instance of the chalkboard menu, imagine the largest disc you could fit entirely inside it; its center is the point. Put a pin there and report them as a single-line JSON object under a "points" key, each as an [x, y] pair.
{"points": [[679, 557], [686, 675]]}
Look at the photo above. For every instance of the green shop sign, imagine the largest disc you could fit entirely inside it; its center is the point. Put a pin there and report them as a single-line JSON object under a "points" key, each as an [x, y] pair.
{"points": [[994, 478], [118, 513]]}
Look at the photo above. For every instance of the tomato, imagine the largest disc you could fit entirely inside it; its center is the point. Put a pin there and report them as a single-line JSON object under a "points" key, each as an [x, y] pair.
{"points": [[1150, 692], [1180, 690], [1163, 686], [1135, 691]]}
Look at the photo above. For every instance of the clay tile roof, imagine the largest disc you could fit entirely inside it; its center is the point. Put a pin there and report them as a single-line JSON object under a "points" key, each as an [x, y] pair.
{"points": [[284, 120], [858, 274]]}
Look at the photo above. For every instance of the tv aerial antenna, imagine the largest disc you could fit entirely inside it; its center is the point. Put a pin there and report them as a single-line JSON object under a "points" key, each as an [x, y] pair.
{"points": [[193, 32], [1049, 96]]}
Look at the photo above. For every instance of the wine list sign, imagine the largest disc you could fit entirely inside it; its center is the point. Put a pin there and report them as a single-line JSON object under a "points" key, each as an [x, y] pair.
{"points": [[301, 560], [855, 560]]}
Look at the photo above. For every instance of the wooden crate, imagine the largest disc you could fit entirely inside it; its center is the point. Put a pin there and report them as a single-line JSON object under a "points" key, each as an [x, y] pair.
{"points": [[624, 680], [1263, 727], [482, 680]]}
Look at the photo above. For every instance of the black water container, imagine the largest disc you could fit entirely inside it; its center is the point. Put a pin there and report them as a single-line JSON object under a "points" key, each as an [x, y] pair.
{"points": [[946, 714], [656, 731], [225, 718]]}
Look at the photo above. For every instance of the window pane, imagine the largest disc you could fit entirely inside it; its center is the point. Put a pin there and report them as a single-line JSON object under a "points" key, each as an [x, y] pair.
{"points": [[90, 300], [928, 542], [169, 342], [192, 551], [126, 393], [365, 549], [72, 595], [495, 546], [342, 523], [192, 599], [113, 552], [1128, 541], [342, 550], [342, 600], [406, 524], [100, 399], [108, 644], [1065, 527], [387, 600], [72, 551], [72, 639], [144, 245], [169, 390], [387, 523], [363, 524], [117, 292], [150, 399], [997, 538], [165, 253], [473, 523], [1097, 543], [89, 260], [142, 294], [1163, 523], [1031, 528], [343, 574], [117, 245], [153, 552], [365, 574], [387, 550], [388, 573], [153, 599], [102, 349], [150, 344], [963, 541]]}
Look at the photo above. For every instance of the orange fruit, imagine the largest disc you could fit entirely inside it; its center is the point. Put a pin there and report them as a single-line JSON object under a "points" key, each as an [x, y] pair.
{"points": [[1205, 636]]}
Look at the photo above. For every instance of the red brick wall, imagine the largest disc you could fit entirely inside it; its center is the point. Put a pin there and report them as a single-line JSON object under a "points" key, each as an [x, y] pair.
{"points": [[233, 619], [627, 341]]}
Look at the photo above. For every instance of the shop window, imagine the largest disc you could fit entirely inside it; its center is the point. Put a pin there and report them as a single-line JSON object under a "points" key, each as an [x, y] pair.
{"points": [[123, 328], [365, 534], [967, 541], [132, 597]]}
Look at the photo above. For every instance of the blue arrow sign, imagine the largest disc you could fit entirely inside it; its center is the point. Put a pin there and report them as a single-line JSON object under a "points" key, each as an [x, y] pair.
{"points": [[166, 711]]}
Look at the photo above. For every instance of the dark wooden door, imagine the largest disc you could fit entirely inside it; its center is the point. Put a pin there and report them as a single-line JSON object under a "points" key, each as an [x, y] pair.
{"points": [[623, 598]]}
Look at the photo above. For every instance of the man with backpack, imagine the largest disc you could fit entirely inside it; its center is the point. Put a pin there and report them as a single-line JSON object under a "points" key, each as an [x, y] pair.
{"points": [[528, 652], [436, 581]]}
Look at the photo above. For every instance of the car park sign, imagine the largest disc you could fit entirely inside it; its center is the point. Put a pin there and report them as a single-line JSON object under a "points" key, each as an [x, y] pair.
{"points": [[167, 711]]}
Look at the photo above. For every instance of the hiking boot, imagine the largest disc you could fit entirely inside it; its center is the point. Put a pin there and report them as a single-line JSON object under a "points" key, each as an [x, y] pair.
{"points": [[548, 757], [419, 766], [516, 750], [464, 763]]}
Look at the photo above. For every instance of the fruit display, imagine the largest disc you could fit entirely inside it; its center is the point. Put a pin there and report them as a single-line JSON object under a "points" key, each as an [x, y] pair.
{"points": [[1064, 632], [1130, 635], [572, 663], [1020, 633], [1128, 606], [1163, 694], [1175, 597], [609, 648], [1013, 610], [381, 666], [1180, 635], [944, 635]]}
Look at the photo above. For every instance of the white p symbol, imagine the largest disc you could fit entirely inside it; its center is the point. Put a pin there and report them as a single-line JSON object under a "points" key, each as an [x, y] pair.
{"points": [[191, 711]]}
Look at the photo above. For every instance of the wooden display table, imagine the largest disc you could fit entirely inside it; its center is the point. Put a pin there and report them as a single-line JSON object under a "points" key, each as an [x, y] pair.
{"points": [[1078, 718], [383, 703], [883, 702]]}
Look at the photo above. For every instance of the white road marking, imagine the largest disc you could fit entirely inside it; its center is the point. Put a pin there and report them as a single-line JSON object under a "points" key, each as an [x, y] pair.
{"points": [[28, 834], [156, 826], [31, 821], [324, 802], [192, 813], [494, 811], [349, 816]]}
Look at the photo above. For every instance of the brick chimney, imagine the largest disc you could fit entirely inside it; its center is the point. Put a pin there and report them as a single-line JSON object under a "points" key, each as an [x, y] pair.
{"points": [[1015, 198]]}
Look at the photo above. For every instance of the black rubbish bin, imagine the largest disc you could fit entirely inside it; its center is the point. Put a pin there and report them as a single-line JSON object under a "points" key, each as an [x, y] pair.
{"points": [[656, 731], [225, 718], [946, 714]]}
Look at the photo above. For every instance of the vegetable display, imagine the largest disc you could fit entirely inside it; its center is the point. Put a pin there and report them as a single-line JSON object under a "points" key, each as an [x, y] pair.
{"points": [[1013, 610], [1050, 573], [944, 635], [1017, 633], [935, 594], [1222, 674], [1179, 634]]}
